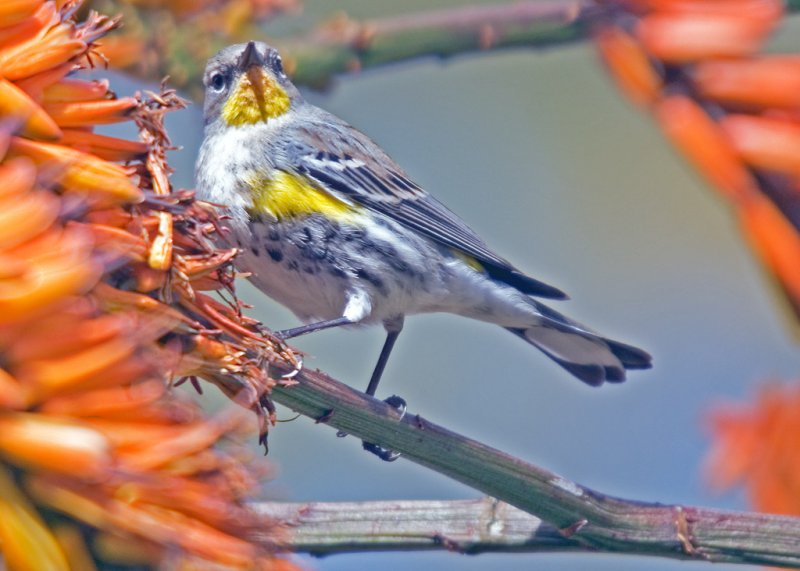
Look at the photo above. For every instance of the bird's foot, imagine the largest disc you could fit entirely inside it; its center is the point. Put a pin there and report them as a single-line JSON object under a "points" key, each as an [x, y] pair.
{"points": [[384, 453]]}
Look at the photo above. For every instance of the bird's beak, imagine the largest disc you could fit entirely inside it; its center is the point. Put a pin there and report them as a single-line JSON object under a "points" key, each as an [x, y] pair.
{"points": [[250, 57], [253, 65]]}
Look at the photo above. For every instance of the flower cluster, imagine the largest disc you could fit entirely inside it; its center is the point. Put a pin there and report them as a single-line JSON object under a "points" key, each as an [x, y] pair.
{"points": [[102, 272], [733, 113], [756, 445]]}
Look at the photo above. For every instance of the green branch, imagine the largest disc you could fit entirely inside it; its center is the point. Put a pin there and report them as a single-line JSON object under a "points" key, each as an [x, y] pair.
{"points": [[179, 48], [347, 45], [464, 526], [591, 519]]}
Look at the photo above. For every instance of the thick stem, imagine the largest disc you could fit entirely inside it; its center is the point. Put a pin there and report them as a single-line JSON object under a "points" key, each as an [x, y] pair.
{"points": [[592, 519], [465, 526], [348, 45]]}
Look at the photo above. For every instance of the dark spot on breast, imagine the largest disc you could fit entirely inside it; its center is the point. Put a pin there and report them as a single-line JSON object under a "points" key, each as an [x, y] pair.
{"points": [[292, 265], [332, 230], [273, 235], [255, 250], [276, 255], [317, 252]]}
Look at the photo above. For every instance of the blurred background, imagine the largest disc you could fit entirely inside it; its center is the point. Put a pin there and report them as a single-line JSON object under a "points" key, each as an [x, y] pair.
{"points": [[540, 154]]}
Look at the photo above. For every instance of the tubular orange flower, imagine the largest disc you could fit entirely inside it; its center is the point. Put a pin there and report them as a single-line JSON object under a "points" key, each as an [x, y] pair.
{"points": [[71, 541], [37, 55], [681, 38], [107, 148], [64, 272], [767, 81], [112, 402], [37, 122], [26, 217], [704, 144], [776, 240], [764, 143], [763, 11], [46, 16], [73, 90], [60, 445], [80, 172], [630, 65], [14, 11], [98, 112], [12, 393], [18, 176], [26, 542]]}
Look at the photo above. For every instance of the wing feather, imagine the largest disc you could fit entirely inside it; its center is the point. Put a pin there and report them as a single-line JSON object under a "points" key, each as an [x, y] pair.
{"points": [[356, 168]]}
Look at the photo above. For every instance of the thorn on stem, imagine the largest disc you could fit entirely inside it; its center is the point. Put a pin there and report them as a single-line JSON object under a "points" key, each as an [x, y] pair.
{"points": [[684, 533], [573, 528]]}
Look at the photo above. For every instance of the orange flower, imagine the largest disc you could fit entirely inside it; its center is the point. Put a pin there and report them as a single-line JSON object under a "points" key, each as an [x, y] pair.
{"points": [[100, 266], [37, 122], [705, 145], [764, 143], [683, 38], [733, 114], [756, 445], [762, 82], [630, 65]]}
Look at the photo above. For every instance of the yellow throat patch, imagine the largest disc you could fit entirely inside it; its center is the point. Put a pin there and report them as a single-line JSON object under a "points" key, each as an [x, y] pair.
{"points": [[284, 196], [250, 104]]}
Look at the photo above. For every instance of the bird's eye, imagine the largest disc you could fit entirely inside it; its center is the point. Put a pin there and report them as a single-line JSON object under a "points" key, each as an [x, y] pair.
{"points": [[217, 82], [277, 64]]}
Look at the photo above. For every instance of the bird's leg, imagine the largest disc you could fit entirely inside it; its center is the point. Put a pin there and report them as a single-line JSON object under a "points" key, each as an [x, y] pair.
{"points": [[383, 358], [393, 328], [312, 327]]}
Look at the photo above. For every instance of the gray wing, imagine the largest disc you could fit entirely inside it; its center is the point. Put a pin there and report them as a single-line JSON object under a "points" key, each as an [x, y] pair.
{"points": [[356, 169]]}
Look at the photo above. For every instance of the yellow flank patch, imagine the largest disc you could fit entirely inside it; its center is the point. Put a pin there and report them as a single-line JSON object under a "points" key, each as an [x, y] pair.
{"points": [[469, 260], [252, 103], [284, 195]]}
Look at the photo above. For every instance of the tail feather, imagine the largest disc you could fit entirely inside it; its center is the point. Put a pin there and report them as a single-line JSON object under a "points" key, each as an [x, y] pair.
{"points": [[586, 355], [522, 282]]}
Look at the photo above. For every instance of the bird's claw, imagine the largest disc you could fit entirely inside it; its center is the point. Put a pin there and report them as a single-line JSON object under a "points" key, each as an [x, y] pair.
{"points": [[399, 403], [294, 372], [385, 454]]}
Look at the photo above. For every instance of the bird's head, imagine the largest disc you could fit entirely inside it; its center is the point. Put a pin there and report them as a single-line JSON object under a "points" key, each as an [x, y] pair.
{"points": [[245, 84]]}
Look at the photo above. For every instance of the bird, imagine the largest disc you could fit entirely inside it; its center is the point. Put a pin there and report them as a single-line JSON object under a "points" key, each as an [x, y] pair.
{"points": [[331, 227]]}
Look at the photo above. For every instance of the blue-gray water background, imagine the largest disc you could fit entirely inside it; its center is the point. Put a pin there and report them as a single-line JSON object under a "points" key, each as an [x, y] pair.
{"points": [[538, 152]]}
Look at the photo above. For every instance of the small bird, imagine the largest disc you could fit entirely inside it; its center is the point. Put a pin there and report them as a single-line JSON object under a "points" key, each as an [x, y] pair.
{"points": [[331, 227]]}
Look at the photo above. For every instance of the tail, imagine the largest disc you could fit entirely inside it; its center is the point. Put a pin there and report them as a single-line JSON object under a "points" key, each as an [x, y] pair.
{"points": [[588, 356]]}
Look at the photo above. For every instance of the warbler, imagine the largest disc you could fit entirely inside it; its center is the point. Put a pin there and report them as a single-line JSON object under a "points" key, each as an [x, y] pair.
{"points": [[331, 227]]}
